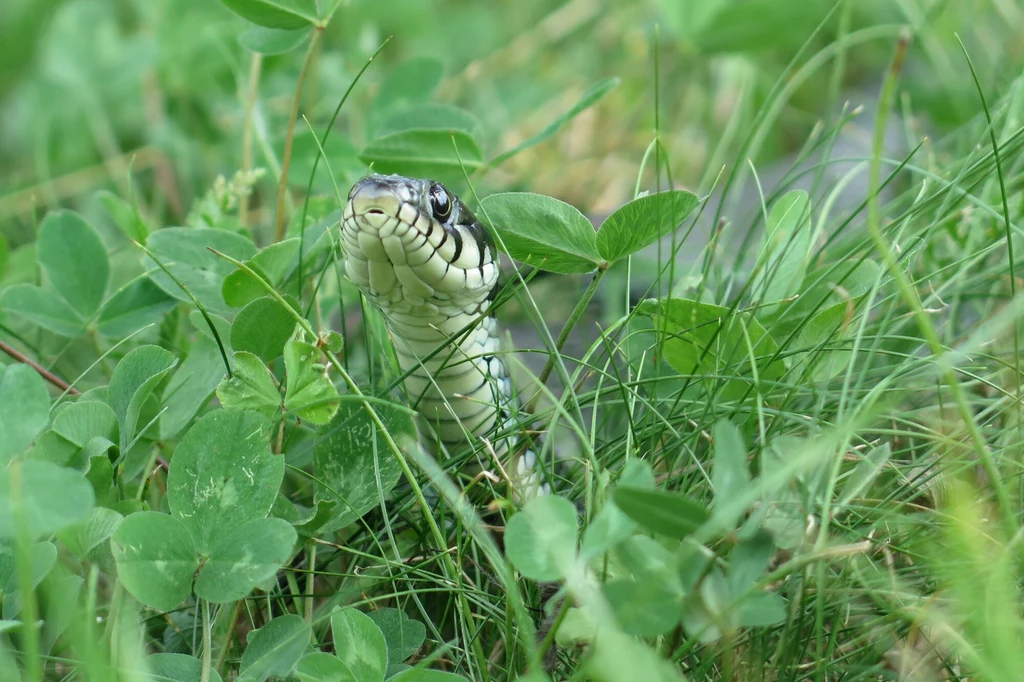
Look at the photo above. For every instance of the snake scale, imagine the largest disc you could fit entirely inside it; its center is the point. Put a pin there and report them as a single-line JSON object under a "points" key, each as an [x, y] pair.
{"points": [[424, 260]]}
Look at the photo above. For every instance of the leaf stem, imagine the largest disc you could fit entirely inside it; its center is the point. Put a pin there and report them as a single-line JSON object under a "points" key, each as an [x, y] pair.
{"points": [[43, 372], [222, 657], [207, 642], [282, 187]]}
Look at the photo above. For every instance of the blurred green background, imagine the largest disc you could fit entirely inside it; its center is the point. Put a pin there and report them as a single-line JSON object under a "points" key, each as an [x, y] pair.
{"points": [[146, 98]]}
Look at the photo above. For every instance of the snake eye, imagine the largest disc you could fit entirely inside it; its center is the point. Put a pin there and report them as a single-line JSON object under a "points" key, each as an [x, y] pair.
{"points": [[440, 202]]}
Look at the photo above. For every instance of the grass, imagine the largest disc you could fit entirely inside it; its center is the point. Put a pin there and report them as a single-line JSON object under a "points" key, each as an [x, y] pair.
{"points": [[804, 467]]}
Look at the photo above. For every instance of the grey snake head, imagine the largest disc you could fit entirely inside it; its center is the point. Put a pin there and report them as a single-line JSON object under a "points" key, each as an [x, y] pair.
{"points": [[413, 246]]}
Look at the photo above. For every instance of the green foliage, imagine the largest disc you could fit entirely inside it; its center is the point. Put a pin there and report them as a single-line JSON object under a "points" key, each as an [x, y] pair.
{"points": [[784, 434], [554, 236], [24, 409]]}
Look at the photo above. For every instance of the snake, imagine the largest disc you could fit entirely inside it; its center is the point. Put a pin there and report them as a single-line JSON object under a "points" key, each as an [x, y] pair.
{"points": [[425, 261]]}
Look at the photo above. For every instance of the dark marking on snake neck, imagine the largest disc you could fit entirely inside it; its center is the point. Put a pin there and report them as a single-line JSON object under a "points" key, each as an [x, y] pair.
{"points": [[457, 236]]}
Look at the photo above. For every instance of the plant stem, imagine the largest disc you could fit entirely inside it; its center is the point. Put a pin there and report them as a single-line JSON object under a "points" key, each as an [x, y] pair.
{"points": [[403, 462], [30, 635], [282, 188], [42, 371], [207, 642], [310, 578], [570, 324], [222, 657], [910, 296], [250, 104]]}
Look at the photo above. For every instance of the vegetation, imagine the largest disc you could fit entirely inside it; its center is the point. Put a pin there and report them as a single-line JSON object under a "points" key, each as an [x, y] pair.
{"points": [[780, 383]]}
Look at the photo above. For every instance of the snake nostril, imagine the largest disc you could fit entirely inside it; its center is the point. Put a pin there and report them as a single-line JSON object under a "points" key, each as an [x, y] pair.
{"points": [[375, 211]]}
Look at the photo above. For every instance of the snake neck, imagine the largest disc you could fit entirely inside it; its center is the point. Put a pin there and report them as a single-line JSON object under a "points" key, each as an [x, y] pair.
{"points": [[457, 380], [422, 258]]}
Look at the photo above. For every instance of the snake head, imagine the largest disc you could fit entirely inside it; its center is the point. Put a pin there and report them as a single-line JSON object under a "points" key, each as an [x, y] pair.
{"points": [[413, 246]]}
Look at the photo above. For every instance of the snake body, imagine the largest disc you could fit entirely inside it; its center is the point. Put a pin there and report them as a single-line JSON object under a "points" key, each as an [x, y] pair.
{"points": [[424, 260]]}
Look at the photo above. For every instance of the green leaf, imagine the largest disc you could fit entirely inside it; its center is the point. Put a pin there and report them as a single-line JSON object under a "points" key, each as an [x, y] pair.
{"points": [[650, 602], [155, 559], [663, 512], [577, 629], [132, 307], [643, 607], [124, 215], [84, 536], [82, 421], [251, 387], [274, 649], [785, 248], [74, 260], [62, 590], [262, 327], [690, 17], [730, 476], [637, 473], [429, 116], [134, 379], [351, 459], [832, 285], [703, 616], [410, 84], [51, 497], [52, 447], [864, 474], [177, 668], [642, 222], [543, 232], [749, 560], [5, 255], [100, 474], [709, 340], [191, 386], [589, 98], [425, 154], [309, 393], [647, 560], [223, 475], [244, 558], [22, 267], [185, 252], [423, 675], [758, 25], [271, 40], [282, 14], [403, 635], [43, 308], [761, 609], [273, 262], [220, 325], [619, 657], [42, 557], [540, 540], [824, 330], [608, 527], [360, 644], [24, 410], [338, 156], [321, 667]]}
